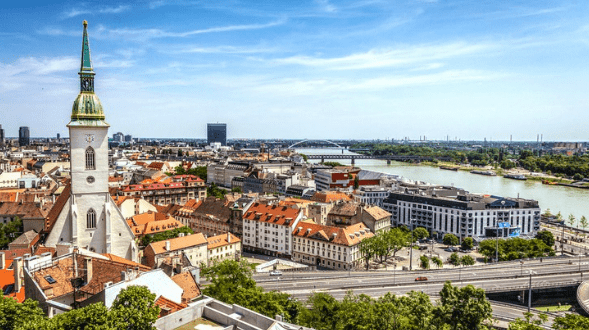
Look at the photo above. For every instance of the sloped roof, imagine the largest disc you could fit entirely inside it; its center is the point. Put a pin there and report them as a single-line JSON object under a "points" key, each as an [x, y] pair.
{"points": [[24, 210], [215, 207], [221, 240], [28, 238], [188, 284], [150, 223], [274, 214], [167, 306], [7, 279], [348, 209], [57, 207], [376, 212], [178, 243], [348, 236], [130, 263], [330, 196]]}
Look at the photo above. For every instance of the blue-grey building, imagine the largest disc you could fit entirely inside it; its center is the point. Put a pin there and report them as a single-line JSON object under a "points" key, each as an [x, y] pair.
{"points": [[217, 133], [24, 136]]}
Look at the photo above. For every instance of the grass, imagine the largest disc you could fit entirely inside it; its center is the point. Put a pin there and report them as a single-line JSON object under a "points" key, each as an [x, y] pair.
{"points": [[253, 265], [555, 308]]}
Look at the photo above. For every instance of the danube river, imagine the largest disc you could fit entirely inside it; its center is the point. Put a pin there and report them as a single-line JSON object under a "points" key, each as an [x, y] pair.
{"points": [[558, 198]]}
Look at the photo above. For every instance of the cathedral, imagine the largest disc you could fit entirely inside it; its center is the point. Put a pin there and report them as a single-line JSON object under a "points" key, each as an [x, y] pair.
{"points": [[89, 218]]}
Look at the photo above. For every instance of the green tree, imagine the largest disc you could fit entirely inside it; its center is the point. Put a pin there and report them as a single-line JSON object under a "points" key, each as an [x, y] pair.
{"points": [[226, 277], [437, 261], [571, 322], [135, 308], [236, 190], [547, 213], [420, 233], [305, 157], [356, 182], [467, 260], [546, 236], [180, 154], [454, 259], [94, 316], [368, 249], [467, 243], [464, 308], [584, 222], [164, 235], [322, 313], [572, 220], [559, 216], [529, 322], [450, 239], [215, 191], [333, 164], [14, 315], [424, 262]]}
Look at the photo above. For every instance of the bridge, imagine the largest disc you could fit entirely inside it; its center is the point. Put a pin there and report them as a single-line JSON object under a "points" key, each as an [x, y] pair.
{"points": [[309, 140], [388, 158], [514, 278]]}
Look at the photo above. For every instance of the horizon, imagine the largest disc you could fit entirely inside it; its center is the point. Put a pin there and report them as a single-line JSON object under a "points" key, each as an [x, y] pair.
{"points": [[356, 70]]}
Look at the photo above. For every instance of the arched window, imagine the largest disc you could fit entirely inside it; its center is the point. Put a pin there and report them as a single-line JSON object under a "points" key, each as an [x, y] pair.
{"points": [[90, 159], [91, 219]]}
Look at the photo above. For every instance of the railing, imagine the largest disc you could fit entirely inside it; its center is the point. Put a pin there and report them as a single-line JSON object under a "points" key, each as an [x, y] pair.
{"points": [[582, 290]]}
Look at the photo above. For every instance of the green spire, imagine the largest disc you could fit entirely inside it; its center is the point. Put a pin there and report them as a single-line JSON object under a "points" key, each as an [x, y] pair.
{"points": [[86, 61], [87, 110]]}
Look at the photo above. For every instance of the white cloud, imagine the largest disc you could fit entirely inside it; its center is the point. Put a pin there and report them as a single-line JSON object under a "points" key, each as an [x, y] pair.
{"points": [[326, 6], [222, 50], [105, 10], [38, 66], [388, 57]]}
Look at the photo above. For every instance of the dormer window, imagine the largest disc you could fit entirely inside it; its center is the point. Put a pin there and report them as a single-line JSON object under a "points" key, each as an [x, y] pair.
{"points": [[91, 219], [90, 159]]}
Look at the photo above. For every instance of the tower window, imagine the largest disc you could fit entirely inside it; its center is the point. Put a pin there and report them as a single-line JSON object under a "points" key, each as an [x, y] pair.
{"points": [[90, 159], [91, 219]]}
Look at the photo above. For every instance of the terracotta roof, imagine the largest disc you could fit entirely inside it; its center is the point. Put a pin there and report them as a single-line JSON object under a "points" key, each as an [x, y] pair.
{"points": [[156, 165], [168, 209], [215, 207], [347, 209], [57, 207], [130, 263], [7, 279], [187, 283], [178, 243], [272, 213], [376, 212], [330, 196], [221, 240], [8, 196], [25, 210], [347, 236], [150, 223], [167, 306], [115, 179]]}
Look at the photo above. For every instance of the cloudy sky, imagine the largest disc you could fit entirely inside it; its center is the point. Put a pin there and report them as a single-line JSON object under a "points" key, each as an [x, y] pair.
{"points": [[304, 69]]}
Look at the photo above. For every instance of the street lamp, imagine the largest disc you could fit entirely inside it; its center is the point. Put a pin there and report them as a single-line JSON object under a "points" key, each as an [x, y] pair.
{"points": [[411, 246], [522, 267], [530, 292]]}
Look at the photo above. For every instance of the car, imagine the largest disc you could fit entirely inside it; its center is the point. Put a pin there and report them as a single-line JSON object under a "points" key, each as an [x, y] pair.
{"points": [[423, 247], [275, 273], [420, 279], [450, 249]]}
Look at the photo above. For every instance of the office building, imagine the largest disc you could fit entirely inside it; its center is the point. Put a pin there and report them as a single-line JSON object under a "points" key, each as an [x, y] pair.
{"points": [[217, 133], [128, 138], [1, 135], [118, 137], [23, 136]]}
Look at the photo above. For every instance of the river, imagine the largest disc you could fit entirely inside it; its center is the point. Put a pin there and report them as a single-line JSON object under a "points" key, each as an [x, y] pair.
{"points": [[567, 200]]}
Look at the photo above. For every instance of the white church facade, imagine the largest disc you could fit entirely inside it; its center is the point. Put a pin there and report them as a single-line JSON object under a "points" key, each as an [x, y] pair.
{"points": [[90, 219]]}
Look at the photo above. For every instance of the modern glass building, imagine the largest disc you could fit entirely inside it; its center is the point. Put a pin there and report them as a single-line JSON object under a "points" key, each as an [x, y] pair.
{"points": [[23, 136], [217, 133]]}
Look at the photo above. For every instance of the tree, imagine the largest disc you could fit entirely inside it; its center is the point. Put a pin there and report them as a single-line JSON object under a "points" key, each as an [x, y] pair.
{"points": [[424, 262], [559, 216], [546, 236], [305, 157], [420, 233], [437, 261], [14, 315], [322, 313], [454, 259], [135, 308], [450, 239], [226, 277], [463, 308], [529, 322], [584, 222], [547, 213], [356, 182], [467, 260], [213, 190], [571, 322], [572, 220], [467, 243], [368, 250], [180, 154], [94, 316], [236, 190]]}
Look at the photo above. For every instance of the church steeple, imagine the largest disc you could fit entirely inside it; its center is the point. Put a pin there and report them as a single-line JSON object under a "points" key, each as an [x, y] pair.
{"points": [[87, 109]]}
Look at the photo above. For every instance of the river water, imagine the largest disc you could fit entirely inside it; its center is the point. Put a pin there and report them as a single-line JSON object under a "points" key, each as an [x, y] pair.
{"points": [[558, 198]]}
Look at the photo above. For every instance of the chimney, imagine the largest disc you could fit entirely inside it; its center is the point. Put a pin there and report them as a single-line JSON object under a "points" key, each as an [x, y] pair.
{"points": [[228, 237], [2, 260], [167, 245], [17, 266], [88, 266]]}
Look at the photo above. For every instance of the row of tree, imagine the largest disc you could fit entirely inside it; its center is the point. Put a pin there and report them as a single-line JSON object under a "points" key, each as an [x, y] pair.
{"points": [[10, 231], [164, 235]]}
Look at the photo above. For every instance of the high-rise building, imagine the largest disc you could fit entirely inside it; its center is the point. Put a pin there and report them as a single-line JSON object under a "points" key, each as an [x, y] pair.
{"points": [[1, 135], [118, 137], [128, 138], [217, 133], [88, 217], [58, 136], [23, 136]]}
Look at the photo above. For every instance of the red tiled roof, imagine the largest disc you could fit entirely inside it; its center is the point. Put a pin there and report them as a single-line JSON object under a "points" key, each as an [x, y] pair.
{"points": [[330, 196], [7, 278], [187, 283], [150, 223], [178, 243], [57, 207], [221, 240], [271, 213], [347, 236], [167, 306]]}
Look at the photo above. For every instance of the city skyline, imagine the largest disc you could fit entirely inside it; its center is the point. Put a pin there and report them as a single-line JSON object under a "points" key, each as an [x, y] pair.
{"points": [[319, 69]]}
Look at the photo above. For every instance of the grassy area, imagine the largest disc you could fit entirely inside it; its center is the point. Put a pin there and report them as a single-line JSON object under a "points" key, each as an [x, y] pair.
{"points": [[555, 308], [539, 178], [253, 265]]}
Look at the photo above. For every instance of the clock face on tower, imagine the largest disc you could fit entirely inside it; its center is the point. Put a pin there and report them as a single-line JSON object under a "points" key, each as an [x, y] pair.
{"points": [[89, 138]]}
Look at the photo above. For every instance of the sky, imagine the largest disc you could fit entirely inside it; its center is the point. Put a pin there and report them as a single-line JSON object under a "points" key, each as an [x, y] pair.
{"points": [[366, 69]]}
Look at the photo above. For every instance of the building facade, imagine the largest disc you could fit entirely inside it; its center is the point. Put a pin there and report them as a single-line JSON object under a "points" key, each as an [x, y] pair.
{"points": [[447, 210], [24, 136], [217, 133]]}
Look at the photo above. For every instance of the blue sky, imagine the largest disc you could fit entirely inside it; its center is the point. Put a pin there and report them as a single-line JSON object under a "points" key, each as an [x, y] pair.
{"points": [[303, 69]]}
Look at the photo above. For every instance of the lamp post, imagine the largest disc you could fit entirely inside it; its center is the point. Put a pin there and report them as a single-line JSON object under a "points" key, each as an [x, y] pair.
{"points": [[522, 267], [411, 246], [562, 240], [530, 292]]}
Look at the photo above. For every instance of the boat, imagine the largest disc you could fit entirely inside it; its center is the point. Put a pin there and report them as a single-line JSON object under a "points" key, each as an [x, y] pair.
{"points": [[515, 177], [549, 182], [449, 168], [489, 173]]}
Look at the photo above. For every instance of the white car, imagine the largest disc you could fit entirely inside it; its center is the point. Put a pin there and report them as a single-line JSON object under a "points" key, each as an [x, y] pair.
{"points": [[275, 273]]}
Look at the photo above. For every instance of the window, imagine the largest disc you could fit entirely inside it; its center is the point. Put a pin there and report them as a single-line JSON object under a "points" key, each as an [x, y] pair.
{"points": [[91, 219], [90, 159], [50, 279]]}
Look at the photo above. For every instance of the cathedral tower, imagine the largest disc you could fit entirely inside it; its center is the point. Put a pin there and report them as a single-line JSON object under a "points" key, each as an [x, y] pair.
{"points": [[90, 219]]}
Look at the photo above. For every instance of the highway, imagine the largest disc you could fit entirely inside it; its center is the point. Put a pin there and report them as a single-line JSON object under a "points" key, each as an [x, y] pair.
{"points": [[503, 277]]}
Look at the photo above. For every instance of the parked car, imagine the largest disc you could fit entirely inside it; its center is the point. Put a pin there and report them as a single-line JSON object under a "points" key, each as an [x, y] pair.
{"points": [[420, 279], [451, 249], [275, 273], [423, 247]]}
